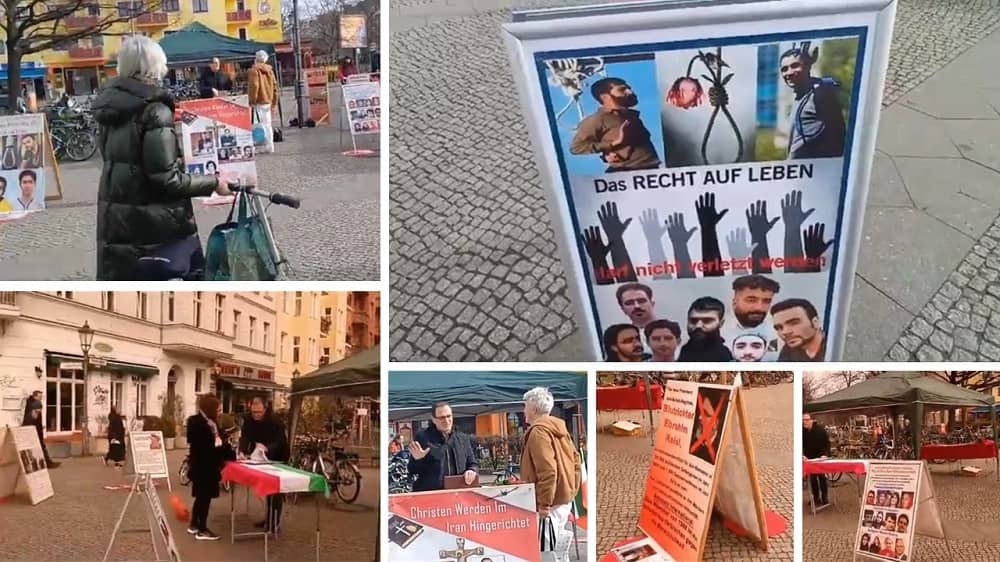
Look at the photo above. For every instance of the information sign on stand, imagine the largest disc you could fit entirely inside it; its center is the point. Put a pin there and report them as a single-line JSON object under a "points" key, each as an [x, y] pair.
{"points": [[362, 101], [703, 461], [903, 504], [21, 450], [148, 455], [687, 145], [29, 172], [490, 523]]}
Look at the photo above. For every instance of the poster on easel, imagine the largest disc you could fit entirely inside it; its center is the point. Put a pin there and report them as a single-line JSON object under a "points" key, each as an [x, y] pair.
{"points": [[498, 524], [148, 454], [702, 462], [22, 449], [903, 504], [217, 139], [362, 99], [319, 95], [160, 535], [29, 173]]}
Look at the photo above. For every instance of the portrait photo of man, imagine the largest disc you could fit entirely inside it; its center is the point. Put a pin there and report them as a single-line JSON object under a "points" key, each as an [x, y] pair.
{"points": [[749, 347], [28, 201], [817, 121], [798, 325], [615, 131], [751, 307], [705, 344], [663, 337], [622, 344]]}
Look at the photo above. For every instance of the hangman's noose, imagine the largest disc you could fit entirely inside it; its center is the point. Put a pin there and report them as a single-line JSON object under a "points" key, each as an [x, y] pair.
{"points": [[718, 97]]}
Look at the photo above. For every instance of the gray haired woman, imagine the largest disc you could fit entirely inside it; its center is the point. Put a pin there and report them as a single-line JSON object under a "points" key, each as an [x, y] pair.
{"points": [[144, 211]]}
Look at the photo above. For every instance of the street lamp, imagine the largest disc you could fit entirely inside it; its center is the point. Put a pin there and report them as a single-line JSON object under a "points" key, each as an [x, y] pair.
{"points": [[86, 340], [300, 82]]}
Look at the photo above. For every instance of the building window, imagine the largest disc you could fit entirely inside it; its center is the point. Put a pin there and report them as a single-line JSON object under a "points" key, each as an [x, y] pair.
{"points": [[267, 336], [325, 359], [171, 5], [199, 376], [140, 399], [142, 305], [94, 9], [298, 303], [197, 309], [130, 8], [68, 295], [295, 349], [117, 395], [311, 350], [282, 344], [170, 306], [64, 395], [220, 308], [108, 301], [236, 325], [253, 331], [199, 6], [243, 33]]}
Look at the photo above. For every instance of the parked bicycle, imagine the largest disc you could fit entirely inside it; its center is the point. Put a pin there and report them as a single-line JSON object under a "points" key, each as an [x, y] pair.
{"points": [[313, 454], [400, 479], [73, 141]]}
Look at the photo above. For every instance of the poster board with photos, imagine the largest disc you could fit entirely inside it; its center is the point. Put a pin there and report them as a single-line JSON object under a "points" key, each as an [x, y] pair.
{"points": [[684, 189], [22, 449], [217, 139], [29, 173], [362, 98], [902, 505], [496, 523], [693, 445], [148, 453]]}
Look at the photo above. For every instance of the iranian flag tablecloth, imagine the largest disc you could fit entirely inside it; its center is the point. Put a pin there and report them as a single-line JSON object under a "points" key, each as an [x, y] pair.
{"points": [[270, 479]]}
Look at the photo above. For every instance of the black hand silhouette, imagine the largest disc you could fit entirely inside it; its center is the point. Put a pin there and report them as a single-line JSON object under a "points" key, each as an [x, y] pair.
{"points": [[612, 223], [815, 246], [707, 215], [679, 237], [709, 218], [759, 227], [598, 252], [654, 231], [793, 217]]}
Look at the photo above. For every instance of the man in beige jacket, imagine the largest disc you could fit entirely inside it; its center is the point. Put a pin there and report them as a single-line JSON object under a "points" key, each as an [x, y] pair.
{"points": [[263, 92], [550, 460]]}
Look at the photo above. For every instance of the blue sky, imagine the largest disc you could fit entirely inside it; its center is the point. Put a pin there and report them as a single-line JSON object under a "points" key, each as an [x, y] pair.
{"points": [[641, 76]]}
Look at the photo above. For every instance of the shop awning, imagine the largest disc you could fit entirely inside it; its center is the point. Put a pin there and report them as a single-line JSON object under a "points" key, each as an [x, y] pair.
{"points": [[105, 364], [251, 384], [28, 71]]}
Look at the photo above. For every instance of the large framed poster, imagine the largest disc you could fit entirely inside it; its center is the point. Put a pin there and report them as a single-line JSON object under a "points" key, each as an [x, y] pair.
{"points": [[707, 168]]}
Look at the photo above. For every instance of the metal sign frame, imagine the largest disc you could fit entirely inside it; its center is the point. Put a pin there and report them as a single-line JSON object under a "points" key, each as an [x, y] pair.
{"points": [[535, 34]]}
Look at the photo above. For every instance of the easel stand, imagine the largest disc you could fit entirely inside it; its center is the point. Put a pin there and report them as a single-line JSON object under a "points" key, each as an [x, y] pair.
{"points": [[139, 484]]}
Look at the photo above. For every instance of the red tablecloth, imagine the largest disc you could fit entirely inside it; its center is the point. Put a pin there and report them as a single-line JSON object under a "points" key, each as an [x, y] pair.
{"points": [[984, 450], [627, 397], [832, 467]]}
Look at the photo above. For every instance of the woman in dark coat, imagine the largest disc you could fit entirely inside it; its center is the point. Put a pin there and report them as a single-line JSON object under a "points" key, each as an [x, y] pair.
{"points": [[208, 452], [116, 438], [144, 202]]}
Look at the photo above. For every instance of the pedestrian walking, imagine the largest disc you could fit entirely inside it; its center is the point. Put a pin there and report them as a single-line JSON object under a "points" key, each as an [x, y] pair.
{"points": [[208, 451], [263, 93], [145, 227], [116, 438], [33, 416]]}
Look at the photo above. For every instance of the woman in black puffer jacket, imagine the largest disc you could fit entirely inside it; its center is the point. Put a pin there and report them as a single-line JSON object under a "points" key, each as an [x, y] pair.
{"points": [[144, 203]]}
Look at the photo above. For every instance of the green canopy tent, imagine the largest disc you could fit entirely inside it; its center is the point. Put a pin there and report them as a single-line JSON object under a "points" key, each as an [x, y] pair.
{"points": [[891, 392], [197, 44], [353, 377]]}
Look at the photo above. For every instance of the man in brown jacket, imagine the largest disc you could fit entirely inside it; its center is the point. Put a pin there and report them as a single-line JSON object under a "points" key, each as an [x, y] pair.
{"points": [[550, 460], [263, 93]]}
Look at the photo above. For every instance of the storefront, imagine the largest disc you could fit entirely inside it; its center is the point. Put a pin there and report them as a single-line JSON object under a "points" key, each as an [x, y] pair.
{"points": [[236, 385]]}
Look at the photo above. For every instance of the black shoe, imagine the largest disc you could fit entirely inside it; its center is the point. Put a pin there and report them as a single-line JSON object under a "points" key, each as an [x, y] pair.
{"points": [[206, 535], [52, 465], [192, 530]]}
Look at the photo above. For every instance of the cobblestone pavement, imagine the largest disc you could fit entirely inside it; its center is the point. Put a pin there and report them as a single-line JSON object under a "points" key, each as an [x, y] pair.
{"points": [[333, 236], [77, 522], [969, 507], [623, 464], [474, 272]]}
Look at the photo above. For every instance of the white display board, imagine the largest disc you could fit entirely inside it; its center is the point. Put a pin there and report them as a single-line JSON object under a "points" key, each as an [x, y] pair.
{"points": [[707, 162], [901, 504], [362, 99], [22, 448], [148, 453]]}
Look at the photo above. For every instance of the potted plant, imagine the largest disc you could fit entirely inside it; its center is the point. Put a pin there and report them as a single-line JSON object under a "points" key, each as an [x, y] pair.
{"points": [[169, 432]]}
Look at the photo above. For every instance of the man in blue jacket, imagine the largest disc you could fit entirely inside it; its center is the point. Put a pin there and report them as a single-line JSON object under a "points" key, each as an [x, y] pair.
{"points": [[440, 451]]}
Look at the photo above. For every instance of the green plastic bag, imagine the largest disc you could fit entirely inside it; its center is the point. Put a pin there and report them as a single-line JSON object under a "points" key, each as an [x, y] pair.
{"points": [[239, 251]]}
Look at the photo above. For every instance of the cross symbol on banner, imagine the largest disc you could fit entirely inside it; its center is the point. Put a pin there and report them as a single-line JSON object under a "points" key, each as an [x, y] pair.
{"points": [[461, 554], [709, 420], [401, 527]]}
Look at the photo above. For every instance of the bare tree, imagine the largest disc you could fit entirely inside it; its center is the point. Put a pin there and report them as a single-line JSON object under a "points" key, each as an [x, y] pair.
{"points": [[33, 26], [980, 381]]}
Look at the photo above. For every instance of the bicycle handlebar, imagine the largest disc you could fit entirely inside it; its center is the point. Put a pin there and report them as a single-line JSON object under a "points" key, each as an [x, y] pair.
{"points": [[276, 198]]}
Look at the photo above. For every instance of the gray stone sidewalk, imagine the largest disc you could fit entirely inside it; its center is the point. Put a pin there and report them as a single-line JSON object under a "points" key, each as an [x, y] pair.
{"points": [[473, 269]]}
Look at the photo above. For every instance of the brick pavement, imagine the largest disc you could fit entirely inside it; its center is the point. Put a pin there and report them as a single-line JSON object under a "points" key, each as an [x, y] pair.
{"points": [[333, 236], [623, 464], [76, 523], [474, 272], [969, 507]]}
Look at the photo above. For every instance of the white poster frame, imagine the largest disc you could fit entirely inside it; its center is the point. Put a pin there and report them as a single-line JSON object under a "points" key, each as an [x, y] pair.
{"points": [[534, 32]]}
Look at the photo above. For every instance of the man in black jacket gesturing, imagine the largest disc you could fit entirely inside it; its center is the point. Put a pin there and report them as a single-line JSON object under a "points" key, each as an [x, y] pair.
{"points": [[815, 445], [440, 451], [260, 429], [213, 80]]}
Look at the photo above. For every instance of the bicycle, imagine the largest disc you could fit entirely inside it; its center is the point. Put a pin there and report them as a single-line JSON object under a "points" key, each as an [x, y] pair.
{"points": [[341, 472], [73, 140]]}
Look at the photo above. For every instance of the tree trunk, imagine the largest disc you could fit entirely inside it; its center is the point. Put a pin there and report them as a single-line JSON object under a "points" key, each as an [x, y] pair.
{"points": [[13, 79]]}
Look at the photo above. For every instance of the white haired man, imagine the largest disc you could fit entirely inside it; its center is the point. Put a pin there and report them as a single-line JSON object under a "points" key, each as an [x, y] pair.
{"points": [[263, 92], [550, 460]]}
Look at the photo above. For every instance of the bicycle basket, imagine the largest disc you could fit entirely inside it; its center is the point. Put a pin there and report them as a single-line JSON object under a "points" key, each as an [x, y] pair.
{"points": [[239, 251]]}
